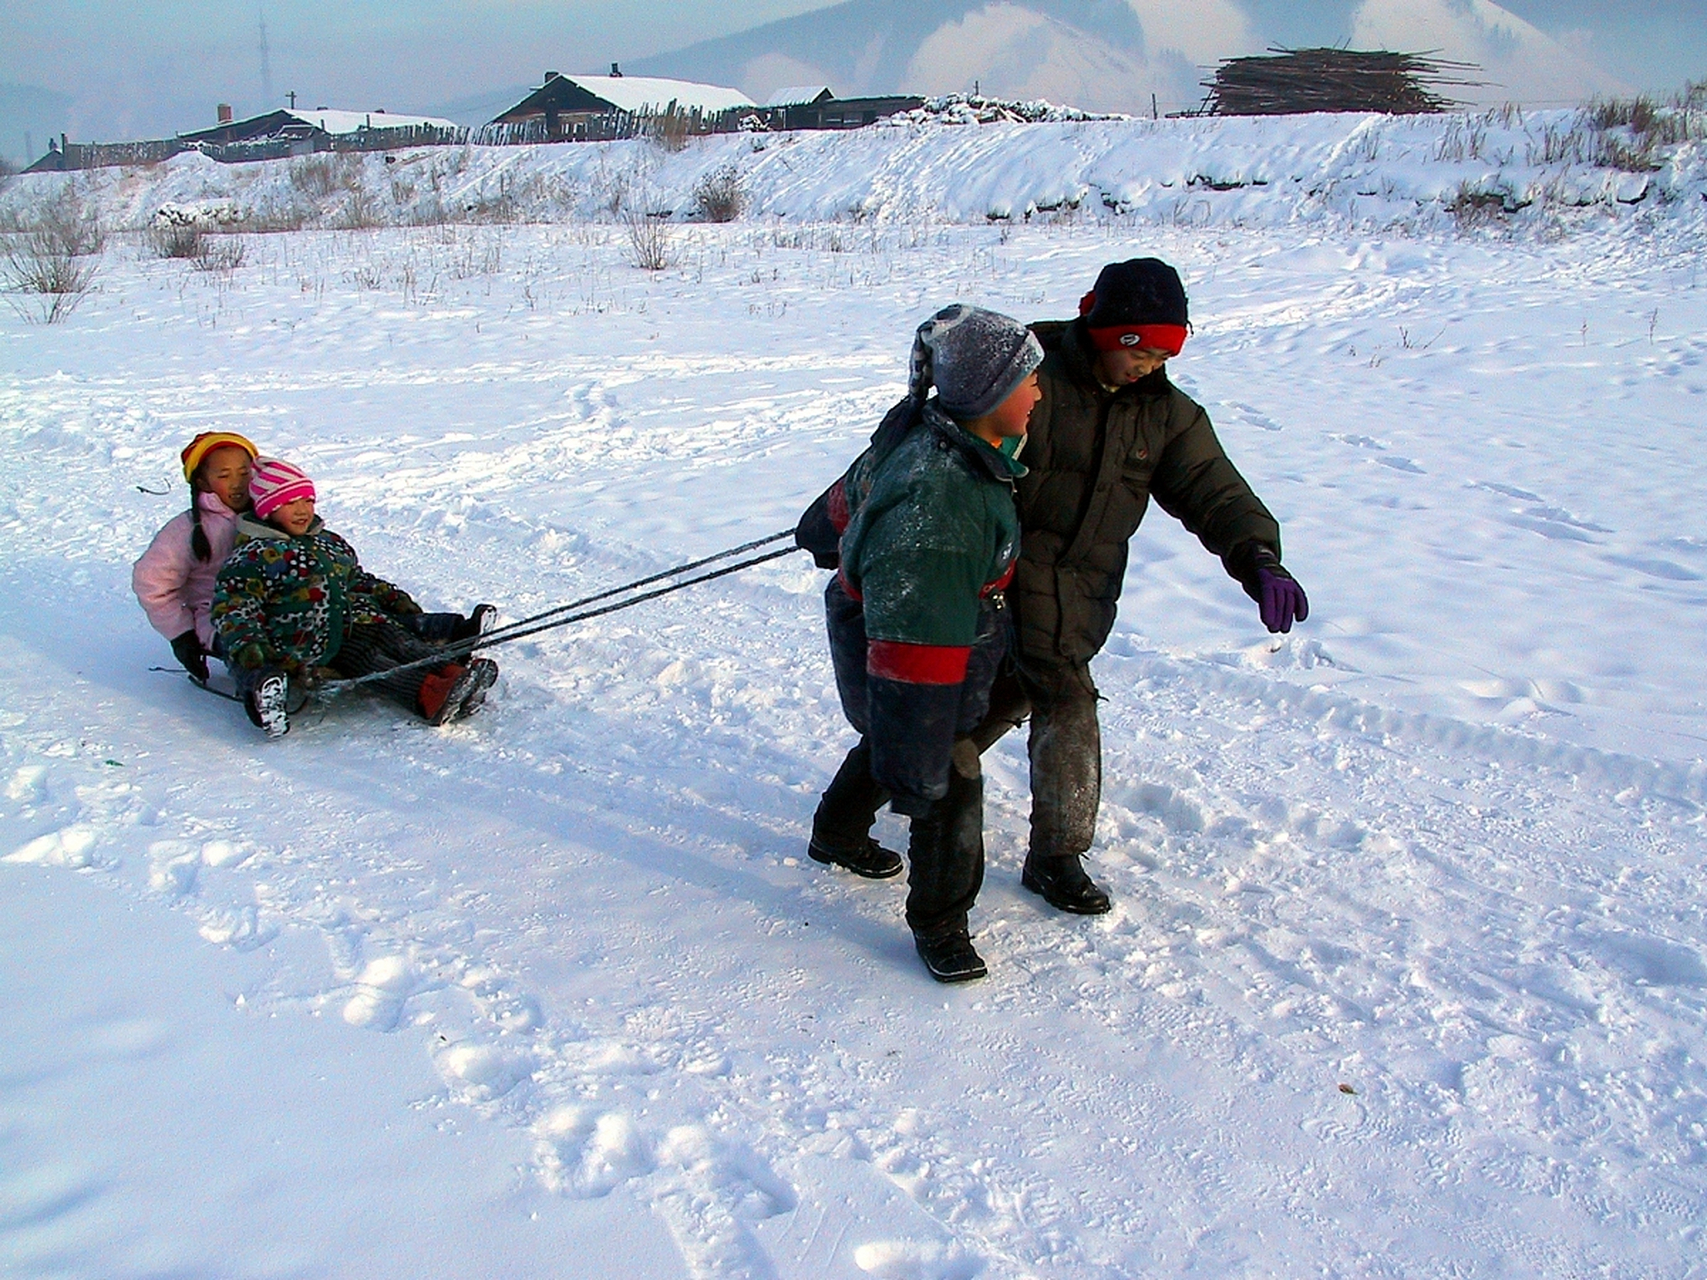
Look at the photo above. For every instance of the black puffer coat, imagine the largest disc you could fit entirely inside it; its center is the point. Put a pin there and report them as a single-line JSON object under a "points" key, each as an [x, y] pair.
{"points": [[1095, 458]]}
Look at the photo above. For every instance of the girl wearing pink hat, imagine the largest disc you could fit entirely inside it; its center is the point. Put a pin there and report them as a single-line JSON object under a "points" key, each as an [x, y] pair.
{"points": [[294, 606]]}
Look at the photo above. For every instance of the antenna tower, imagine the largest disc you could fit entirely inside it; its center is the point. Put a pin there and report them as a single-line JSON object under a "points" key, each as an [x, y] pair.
{"points": [[266, 65]]}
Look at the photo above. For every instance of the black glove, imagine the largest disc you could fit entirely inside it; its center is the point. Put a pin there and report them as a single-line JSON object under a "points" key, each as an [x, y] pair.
{"points": [[187, 649]]}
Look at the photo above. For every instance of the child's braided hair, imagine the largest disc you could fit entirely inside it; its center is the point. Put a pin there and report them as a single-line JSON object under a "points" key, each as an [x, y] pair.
{"points": [[198, 536]]}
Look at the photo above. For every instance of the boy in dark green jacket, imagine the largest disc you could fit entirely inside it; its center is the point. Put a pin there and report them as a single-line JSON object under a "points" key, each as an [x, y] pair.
{"points": [[924, 531]]}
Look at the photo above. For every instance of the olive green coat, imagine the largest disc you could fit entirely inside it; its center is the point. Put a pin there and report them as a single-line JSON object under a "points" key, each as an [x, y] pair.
{"points": [[1094, 460]]}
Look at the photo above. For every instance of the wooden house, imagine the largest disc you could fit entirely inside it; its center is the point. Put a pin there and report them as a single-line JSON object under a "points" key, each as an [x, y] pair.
{"points": [[582, 108]]}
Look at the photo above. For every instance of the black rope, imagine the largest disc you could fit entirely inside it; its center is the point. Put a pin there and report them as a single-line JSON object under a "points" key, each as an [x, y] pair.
{"points": [[535, 625], [642, 582]]}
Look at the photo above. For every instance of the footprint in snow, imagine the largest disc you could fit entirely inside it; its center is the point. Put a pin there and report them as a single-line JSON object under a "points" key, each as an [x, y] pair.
{"points": [[173, 866], [382, 988], [483, 1072], [916, 1260], [586, 1153], [28, 784], [72, 847]]}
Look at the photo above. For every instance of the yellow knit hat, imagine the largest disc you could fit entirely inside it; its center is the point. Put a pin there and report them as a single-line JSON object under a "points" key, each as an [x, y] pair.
{"points": [[206, 443]]}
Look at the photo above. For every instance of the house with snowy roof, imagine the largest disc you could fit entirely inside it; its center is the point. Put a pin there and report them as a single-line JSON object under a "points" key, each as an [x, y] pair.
{"points": [[580, 107], [817, 107], [302, 131]]}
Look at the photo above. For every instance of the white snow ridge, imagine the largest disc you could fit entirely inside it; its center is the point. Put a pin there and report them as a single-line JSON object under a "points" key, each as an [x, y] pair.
{"points": [[1407, 972]]}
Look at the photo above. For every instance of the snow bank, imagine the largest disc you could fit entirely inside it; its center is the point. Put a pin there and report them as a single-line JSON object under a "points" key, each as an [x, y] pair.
{"points": [[1416, 172]]}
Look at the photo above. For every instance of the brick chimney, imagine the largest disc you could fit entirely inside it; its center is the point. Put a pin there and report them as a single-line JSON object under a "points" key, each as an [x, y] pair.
{"points": [[224, 111], [549, 77]]}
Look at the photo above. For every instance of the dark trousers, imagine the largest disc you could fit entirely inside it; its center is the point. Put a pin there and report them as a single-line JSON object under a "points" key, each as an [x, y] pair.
{"points": [[380, 646], [1065, 749], [945, 850], [441, 627], [945, 846]]}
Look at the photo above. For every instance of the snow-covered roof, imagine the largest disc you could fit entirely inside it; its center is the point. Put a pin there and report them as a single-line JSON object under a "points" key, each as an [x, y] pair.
{"points": [[340, 122], [638, 93], [798, 95]]}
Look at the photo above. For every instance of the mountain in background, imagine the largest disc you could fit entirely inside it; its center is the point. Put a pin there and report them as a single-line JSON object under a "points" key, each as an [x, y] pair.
{"points": [[1112, 55]]}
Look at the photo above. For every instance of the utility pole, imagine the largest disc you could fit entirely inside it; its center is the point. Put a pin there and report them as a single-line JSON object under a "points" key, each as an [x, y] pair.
{"points": [[292, 96], [266, 65]]}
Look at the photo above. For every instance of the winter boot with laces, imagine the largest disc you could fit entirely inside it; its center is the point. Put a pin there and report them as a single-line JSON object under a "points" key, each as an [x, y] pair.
{"points": [[948, 954], [268, 707], [483, 672], [481, 620]]}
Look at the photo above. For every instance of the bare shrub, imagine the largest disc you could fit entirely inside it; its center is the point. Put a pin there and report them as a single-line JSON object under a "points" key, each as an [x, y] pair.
{"points": [[651, 240], [50, 260], [174, 239], [220, 254], [322, 175], [1475, 207], [719, 195], [360, 211]]}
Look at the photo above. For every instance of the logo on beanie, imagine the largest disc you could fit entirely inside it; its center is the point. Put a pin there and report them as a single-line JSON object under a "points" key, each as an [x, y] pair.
{"points": [[1130, 339]]}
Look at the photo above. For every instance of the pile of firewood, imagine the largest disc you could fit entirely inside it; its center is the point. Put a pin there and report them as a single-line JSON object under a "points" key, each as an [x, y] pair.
{"points": [[1292, 81]]}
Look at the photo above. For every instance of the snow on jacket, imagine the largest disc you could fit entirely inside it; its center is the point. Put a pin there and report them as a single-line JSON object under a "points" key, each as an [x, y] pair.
{"points": [[1095, 458], [174, 588], [297, 597], [926, 546]]}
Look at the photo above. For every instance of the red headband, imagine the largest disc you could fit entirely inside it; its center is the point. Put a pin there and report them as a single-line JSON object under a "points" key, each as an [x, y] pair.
{"points": [[1132, 337]]}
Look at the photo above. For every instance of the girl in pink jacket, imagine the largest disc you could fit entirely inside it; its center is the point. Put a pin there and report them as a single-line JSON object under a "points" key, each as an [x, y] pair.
{"points": [[174, 579]]}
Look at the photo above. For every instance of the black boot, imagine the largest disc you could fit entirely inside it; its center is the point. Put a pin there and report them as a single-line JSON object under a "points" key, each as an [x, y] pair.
{"points": [[872, 861], [948, 954], [841, 829], [1062, 882]]}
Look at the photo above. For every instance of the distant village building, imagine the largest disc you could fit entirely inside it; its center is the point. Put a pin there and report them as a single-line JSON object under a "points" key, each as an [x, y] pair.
{"points": [[270, 136], [585, 108], [816, 107], [296, 131]]}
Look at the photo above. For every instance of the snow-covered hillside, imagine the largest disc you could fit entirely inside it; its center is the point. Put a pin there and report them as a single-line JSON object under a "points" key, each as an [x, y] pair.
{"points": [[1409, 173], [1407, 974]]}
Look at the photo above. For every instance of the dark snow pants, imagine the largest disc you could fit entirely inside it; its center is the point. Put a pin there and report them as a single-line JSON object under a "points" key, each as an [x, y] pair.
{"points": [[1065, 749], [379, 646], [945, 850]]}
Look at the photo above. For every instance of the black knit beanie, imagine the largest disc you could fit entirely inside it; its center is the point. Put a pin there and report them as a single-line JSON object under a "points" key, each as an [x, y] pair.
{"points": [[1139, 291]]}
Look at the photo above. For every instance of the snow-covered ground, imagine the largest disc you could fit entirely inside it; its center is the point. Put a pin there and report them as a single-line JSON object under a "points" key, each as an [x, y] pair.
{"points": [[1407, 974]]}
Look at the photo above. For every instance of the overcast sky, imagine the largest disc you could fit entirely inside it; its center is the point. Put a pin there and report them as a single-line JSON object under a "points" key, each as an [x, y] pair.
{"points": [[108, 70]]}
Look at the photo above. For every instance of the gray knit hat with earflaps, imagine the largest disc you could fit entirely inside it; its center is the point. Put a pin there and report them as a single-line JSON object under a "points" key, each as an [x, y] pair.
{"points": [[975, 358]]}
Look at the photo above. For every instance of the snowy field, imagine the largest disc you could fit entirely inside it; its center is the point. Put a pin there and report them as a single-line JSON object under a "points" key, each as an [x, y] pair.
{"points": [[1407, 972]]}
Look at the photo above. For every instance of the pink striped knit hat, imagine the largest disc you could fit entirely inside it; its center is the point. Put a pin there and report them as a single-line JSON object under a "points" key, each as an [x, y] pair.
{"points": [[273, 482]]}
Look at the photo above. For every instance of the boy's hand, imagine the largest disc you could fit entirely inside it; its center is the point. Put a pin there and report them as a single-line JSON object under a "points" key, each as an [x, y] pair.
{"points": [[1280, 600], [187, 649]]}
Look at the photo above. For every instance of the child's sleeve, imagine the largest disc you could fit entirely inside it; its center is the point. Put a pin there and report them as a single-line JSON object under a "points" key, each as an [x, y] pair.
{"points": [[239, 612], [388, 596], [385, 596], [158, 579]]}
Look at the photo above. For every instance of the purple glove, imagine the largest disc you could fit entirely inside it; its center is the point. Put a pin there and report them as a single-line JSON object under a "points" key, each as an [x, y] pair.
{"points": [[1280, 600]]}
